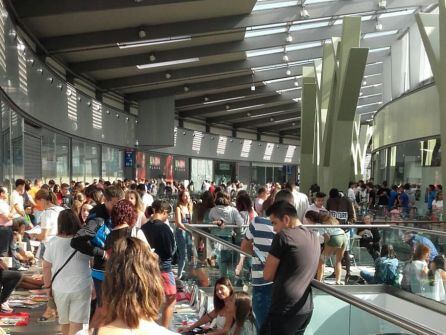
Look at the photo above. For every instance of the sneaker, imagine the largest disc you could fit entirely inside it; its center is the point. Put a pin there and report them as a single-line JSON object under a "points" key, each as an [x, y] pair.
{"points": [[5, 308]]}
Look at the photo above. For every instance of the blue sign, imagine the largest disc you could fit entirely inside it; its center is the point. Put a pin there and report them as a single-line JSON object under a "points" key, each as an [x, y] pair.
{"points": [[128, 158]]}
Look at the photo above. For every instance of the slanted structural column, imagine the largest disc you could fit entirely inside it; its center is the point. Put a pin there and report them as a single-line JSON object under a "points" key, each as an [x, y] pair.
{"points": [[308, 134]]}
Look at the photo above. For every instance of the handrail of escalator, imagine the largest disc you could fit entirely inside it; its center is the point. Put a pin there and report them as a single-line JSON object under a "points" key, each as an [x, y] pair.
{"points": [[216, 239], [379, 312], [419, 230], [407, 221]]}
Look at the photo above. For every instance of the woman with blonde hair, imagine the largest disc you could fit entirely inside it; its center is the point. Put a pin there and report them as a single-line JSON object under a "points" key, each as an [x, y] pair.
{"points": [[132, 290], [183, 215], [134, 197], [335, 242]]}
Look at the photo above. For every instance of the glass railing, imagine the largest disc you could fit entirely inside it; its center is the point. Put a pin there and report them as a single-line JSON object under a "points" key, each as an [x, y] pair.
{"points": [[216, 253], [221, 256]]}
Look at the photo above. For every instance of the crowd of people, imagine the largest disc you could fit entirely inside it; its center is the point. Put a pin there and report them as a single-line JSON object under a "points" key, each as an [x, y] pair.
{"points": [[94, 240]]}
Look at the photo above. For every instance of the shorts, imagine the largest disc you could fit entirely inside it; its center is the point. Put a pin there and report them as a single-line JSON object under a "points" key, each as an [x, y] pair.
{"points": [[337, 241], [73, 307], [169, 285]]}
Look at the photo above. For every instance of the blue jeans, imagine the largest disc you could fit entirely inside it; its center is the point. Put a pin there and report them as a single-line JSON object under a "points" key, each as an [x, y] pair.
{"points": [[261, 301], [182, 249], [369, 278], [227, 259]]}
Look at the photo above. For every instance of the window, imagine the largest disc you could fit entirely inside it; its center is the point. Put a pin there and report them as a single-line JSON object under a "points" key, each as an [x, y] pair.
{"points": [[246, 148], [221, 146], [290, 153], [96, 112], [196, 142], [268, 151], [71, 103]]}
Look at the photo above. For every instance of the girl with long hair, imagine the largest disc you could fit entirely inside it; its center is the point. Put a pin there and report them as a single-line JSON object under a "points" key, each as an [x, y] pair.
{"points": [[223, 315], [132, 290], [138, 205]]}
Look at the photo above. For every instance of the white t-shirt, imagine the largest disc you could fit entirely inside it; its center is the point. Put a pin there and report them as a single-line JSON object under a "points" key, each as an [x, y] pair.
{"points": [[48, 220], [147, 199], [5, 210], [16, 198], [258, 205], [76, 275], [301, 203]]}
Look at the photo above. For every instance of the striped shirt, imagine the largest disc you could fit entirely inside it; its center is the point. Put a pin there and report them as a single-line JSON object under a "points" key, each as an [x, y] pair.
{"points": [[261, 233]]}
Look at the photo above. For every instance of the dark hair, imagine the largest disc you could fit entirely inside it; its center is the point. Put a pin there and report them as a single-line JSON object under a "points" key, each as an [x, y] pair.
{"points": [[334, 193], [2, 190], [123, 212], [388, 251], [207, 200], [243, 202], [47, 195], [180, 196], [141, 188], [350, 184], [284, 195], [113, 191], [282, 208], [20, 182], [320, 195], [51, 182], [219, 304], [261, 190], [243, 308], [439, 262], [313, 216], [64, 185], [159, 206], [222, 199], [16, 224], [68, 222]]}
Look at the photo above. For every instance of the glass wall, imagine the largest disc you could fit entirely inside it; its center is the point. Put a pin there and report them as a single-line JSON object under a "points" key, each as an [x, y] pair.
{"points": [[63, 158], [92, 161], [201, 170], [415, 162], [112, 163]]}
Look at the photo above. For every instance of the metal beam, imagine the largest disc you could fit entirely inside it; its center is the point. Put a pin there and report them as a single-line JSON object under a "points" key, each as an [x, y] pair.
{"points": [[29, 8], [293, 132], [214, 25], [241, 116], [279, 127], [235, 105], [263, 42], [266, 120]]}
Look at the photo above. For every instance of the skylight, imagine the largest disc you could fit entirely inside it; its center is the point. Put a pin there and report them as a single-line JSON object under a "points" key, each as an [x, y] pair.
{"points": [[289, 90], [221, 146], [262, 52], [290, 153], [380, 34], [370, 96], [398, 13], [266, 82], [196, 142], [309, 25], [158, 41], [340, 18], [246, 148], [268, 151], [379, 49], [264, 5], [169, 63], [372, 104], [96, 112], [301, 46], [263, 32], [71, 103]]}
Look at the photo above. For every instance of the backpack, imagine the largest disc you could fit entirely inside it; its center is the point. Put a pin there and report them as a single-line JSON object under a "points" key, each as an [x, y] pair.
{"points": [[101, 234]]}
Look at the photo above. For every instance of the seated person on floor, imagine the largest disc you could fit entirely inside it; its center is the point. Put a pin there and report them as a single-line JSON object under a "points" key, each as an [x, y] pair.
{"points": [[386, 268], [369, 237]]}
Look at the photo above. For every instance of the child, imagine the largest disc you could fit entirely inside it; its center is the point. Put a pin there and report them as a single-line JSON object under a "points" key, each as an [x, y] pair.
{"points": [[29, 217]]}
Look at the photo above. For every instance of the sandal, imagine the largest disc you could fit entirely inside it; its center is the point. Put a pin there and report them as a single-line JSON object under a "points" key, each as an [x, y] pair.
{"points": [[50, 318]]}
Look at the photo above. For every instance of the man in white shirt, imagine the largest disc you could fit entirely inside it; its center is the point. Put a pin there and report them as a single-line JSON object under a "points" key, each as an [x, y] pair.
{"points": [[262, 195], [301, 202], [317, 206], [147, 199], [351, 194], [17, 200]]}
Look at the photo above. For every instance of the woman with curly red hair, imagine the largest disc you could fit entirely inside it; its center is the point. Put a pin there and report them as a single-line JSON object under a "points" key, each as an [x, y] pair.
{"points": [[123, 219]]}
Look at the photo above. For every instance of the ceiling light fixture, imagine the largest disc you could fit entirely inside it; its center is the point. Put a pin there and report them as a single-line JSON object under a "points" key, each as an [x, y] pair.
{"points": [[296, 83], [152, 58], [286, 58], [382, 4], [227, 107], [168, 75], [186, 88], [253, 86], [364, 83], [169, 63], [288, 71], [304, 13], [378, 26], [289, 38], [157, 41], [206, 99]]}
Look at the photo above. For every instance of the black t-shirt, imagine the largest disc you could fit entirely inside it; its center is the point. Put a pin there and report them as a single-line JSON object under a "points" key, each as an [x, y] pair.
{"points": [[383, 196], [160, 237], [298, 250]]}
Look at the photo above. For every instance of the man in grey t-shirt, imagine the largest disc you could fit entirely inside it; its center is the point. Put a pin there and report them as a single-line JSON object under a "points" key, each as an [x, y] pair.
{"points": [[292, 263]]}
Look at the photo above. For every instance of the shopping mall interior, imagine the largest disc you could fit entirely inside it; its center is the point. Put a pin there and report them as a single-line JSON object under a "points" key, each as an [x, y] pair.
{"points": [[210, 116]]}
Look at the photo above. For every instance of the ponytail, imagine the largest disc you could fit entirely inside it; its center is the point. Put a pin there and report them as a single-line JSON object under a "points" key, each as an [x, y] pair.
{"points": [[48, 195]]}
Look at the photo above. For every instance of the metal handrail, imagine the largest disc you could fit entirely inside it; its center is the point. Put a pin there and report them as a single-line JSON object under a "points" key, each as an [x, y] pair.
{"points": [[420, 230], [216, 239], [381, 313]]}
